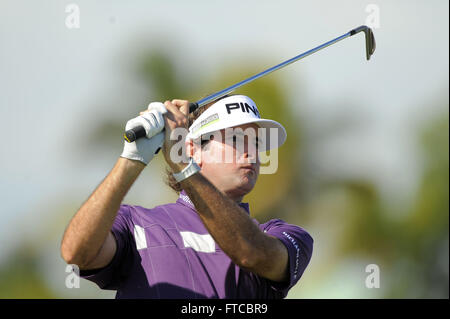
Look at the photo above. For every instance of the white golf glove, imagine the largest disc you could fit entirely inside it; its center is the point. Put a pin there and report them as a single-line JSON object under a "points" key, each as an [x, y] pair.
{"points": [[144, 149]]}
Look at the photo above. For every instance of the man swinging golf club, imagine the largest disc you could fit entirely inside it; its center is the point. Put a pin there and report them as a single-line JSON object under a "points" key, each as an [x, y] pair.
{"points": [[205, 245]]}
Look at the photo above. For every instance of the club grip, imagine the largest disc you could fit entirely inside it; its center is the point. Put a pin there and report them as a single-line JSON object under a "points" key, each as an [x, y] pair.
{"points": [[193, 106], [139, 131], [133, 134]]}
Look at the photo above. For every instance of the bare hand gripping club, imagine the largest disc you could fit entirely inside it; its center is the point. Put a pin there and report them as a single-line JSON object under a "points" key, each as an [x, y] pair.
{"points": [[138, 132]]}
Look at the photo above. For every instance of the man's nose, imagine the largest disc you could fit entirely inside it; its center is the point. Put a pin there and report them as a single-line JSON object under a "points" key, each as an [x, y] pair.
{"points": [[250, 152]]}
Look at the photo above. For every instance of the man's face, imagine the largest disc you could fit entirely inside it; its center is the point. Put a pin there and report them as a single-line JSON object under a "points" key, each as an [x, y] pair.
{"points": [[230, 160]]}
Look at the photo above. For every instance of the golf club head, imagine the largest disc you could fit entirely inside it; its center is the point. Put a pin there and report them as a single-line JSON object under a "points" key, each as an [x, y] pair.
{"points": [[370, 39]]}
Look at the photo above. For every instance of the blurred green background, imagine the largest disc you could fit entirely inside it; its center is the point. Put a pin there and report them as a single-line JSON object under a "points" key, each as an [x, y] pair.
{"points": [[365, 167]]}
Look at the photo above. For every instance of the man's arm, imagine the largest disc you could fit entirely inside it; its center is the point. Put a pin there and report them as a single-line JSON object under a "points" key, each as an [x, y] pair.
{"points": [[88, 241], [238, 236]]}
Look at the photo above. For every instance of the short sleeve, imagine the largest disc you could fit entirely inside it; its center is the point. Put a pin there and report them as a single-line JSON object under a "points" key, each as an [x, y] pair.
{"points": [[299, 245], [110, 276]]}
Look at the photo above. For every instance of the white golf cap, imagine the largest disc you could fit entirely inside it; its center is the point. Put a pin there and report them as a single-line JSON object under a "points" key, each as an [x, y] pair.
{"points": [[233, 111]]}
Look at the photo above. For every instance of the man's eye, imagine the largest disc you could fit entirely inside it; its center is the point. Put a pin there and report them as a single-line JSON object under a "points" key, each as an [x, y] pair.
{"points": [[257, 143], [238, 139]]}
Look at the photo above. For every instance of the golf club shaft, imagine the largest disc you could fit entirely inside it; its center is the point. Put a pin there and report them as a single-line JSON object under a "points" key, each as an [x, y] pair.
{"points": [[223, 92], [138, 132]]}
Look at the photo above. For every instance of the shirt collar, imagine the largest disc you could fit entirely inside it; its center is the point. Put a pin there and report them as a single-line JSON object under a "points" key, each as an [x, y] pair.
{"points": [[185, 200]]}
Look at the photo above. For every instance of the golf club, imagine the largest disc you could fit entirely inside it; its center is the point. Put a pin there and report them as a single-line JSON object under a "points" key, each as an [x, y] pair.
{"points": [[138, 132]]}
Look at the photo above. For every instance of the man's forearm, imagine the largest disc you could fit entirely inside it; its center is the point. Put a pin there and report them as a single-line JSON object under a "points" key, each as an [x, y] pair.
{"points": [[90, 226], [231, 227]]}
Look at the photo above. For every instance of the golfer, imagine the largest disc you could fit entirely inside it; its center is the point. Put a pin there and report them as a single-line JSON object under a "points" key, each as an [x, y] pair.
{"points": [[205, 245]]}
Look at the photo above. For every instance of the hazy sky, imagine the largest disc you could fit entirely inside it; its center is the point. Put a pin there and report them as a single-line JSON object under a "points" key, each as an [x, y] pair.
{"points": [[51, 76]]}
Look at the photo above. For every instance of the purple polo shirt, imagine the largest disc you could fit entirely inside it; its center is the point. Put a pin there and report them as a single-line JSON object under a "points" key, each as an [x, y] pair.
{"points": [[167, 252]]}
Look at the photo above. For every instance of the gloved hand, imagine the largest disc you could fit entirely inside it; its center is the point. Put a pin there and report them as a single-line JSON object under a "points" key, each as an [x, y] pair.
{"points": [[144, 149]]}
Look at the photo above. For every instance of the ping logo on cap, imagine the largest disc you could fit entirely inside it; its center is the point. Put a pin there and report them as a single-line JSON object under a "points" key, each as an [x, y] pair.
{"points": [[244, 107]]}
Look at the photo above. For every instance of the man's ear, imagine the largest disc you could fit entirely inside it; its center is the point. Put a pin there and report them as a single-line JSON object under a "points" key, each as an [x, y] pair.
{"points": [[189, 145], [194, 150]]}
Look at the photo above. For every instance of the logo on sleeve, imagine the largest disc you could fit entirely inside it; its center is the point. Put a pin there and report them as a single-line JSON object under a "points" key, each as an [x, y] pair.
{"points": [[292, 240]]}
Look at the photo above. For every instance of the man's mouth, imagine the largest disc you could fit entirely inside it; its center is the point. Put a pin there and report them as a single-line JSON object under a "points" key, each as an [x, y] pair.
{"points": [[249, 167]]}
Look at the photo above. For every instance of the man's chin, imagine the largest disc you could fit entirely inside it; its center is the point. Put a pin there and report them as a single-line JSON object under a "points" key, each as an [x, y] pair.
{"points": [[246, 186]]}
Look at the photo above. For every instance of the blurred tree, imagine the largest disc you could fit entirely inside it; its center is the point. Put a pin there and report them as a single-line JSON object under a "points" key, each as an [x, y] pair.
{"points": [[415, 249], [20, 276]]}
